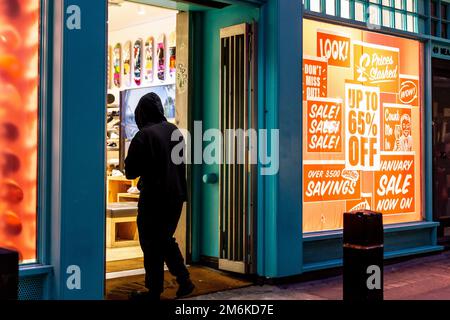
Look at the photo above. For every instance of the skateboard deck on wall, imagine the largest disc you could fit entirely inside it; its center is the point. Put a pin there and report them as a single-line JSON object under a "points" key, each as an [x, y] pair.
{"points": [[148, 58], [109, 67], [117, 65], [137, 62], [172, 55], [127, 64], [161, 57]]}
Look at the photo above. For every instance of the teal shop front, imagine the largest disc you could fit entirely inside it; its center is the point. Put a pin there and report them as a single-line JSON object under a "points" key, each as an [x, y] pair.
{"points": [[71, 235]]}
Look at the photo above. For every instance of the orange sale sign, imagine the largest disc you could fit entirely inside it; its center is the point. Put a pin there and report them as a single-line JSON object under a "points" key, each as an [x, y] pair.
{"points": [[397, 128], [394, 189], [324, 125], [362, 134], [334, 47], [330, 182], [409, 90], [314, 77], [365, 203], [376, 65]]}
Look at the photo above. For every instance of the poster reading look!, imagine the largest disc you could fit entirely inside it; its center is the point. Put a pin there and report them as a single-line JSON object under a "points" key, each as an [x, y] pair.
{"points": [[362, 125]]}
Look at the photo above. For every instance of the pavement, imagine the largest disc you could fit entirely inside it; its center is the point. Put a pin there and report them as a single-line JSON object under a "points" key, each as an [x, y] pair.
{"points": [[422, 278]]}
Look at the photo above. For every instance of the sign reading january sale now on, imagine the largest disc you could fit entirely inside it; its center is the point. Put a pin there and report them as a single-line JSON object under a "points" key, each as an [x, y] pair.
{"points": [[362, 106]]}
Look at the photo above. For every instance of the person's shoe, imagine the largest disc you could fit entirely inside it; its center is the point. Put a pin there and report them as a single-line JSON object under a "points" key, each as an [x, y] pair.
{"points": [[185, 289], [144, 296]]}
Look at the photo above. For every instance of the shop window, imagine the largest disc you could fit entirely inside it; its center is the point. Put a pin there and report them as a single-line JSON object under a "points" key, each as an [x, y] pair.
{"points": [[19, 87], [362, 122]]}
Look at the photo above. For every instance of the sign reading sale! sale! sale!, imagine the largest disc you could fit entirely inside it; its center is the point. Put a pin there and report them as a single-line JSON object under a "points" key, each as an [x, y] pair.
{"points": [[362, 106]]}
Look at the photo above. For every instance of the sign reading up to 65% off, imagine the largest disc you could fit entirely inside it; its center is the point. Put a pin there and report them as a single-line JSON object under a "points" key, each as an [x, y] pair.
{"points": [[362, 116]]}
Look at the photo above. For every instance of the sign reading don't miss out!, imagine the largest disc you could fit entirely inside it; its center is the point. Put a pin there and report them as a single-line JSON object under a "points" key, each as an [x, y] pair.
{"points": [[362, 125]]}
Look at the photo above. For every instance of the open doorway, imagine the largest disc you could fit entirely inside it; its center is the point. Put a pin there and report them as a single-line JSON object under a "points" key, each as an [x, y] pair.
{"points": [[149, 51], [141, 59]]}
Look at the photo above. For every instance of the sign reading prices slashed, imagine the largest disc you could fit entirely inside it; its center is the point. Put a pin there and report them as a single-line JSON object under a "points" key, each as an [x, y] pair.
{"points": [[376, 65]]}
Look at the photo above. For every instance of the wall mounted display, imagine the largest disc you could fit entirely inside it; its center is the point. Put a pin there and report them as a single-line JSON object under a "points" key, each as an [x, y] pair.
{"points": [[19, 90], [137, 62], [117, 65], [126, 53], [362, 120], [161, 56], [128, 102], [148, 58], [172, 55]]}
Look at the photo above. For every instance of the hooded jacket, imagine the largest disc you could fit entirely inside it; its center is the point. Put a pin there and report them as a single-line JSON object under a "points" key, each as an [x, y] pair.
{"points": [[149, 156]]}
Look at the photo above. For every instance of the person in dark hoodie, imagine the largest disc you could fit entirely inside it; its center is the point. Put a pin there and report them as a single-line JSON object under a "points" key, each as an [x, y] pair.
{"points": [[163, 191]]}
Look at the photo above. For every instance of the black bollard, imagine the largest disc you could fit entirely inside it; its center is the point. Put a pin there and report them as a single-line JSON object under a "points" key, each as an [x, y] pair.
{"points": [[9, 274], [363, 256]]}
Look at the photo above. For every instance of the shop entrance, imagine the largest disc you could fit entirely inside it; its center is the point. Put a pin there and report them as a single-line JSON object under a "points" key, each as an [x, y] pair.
{"points": [[142, 50], [441, 147], [149, 51]]}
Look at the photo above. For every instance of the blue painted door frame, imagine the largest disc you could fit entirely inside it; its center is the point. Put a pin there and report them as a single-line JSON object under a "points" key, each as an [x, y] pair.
{"points": [[280, 244], [77, 218]]}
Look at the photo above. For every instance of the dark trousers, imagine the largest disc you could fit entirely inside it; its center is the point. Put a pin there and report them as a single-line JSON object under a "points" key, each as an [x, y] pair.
{"points": [[156, 228]]}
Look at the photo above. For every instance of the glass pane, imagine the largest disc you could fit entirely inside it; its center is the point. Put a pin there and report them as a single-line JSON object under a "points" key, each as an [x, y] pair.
{"points": [[410, 23], [314, 5], [19, 82], [359, 11], [399, 4], [399, 20], [443, 11], [374, 15], [330, 7], [410, 5], [444, 30], [387, 18], [433, 28], [387, 3], [345, 9], [433, 9], [421, 7]]}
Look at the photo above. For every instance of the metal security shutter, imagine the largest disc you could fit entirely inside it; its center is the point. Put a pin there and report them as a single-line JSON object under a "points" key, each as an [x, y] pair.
{"points": [[236, 177]]}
